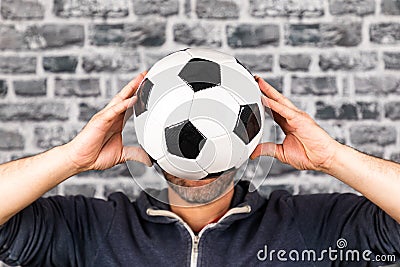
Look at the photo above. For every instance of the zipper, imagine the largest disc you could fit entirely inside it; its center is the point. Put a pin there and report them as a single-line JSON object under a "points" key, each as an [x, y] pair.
{"points": [[196, 238]]}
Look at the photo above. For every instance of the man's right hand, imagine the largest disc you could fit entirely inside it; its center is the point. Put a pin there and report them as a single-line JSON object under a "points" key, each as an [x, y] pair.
{"points": [[99, 145]]}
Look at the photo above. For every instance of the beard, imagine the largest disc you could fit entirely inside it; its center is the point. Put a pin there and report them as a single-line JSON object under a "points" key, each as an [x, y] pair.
{"points": [[202, 191]]}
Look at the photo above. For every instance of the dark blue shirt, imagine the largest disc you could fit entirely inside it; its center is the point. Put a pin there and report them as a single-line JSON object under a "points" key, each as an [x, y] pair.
{"points": [[283, 230]]}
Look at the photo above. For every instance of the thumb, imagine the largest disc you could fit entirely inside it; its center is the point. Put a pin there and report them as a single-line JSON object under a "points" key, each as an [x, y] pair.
{"points": [[267, 149], [137, 154]]}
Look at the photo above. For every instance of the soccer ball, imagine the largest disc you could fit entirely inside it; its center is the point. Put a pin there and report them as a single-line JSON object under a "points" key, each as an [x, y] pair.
{"points": [[199, 113]]}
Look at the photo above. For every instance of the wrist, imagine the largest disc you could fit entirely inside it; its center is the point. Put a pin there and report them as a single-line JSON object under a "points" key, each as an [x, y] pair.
{"points": [[337, 149], [68, 152]]}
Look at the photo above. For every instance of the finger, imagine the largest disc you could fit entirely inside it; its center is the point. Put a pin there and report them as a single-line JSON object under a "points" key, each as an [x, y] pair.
{"points": [[269, 149], [129, 112], [281, 122], [111, 113], [136, 154], [279, 108], [272, 93], [129, 90]]}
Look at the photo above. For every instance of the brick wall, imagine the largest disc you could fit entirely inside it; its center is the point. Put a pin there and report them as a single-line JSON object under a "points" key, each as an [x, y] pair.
{"points": [[61, 61]]}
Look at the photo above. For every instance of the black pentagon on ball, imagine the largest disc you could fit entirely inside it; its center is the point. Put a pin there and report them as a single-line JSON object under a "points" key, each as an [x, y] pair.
{"points": [[248, 124], [184, 140], [143, 94], [201, 74]]}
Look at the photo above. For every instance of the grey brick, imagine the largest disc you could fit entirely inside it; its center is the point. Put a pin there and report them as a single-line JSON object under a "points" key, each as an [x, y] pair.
{"points": [[160, 7], [266, 190], [59, 64], [3, 88], [48, 137], [143, 32], [295, 62], [11, 140], [87, 190], [324, 34], [252, 35], [30, 87], [86, 111], [368, 110], [52, 192], [314, 188], [348, 61], [395, 157], [263, 8], [188, 7], [256, 62], [11, 38], [278, 169], [151, 58], [314, 85], [358, 7], [113, 62], [46, 111], [390, 7], [392, 61], [335, 130], [385, 33], [130, 189], [22, 9], [325, 111], [55, 36], [377, 85], [276, 82], [347, 111], [392, 110], [373, 134], [120, 170], [17, 65], [77, 87], [217, 9], [90, 8], [372, 150], [198, 34]]}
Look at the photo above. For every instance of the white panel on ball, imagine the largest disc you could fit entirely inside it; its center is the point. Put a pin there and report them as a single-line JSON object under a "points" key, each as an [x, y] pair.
{"points": [[153, 137], [184, 164], [211, 55], [228, 153], [166, 104], [240, 150], [208, 127], [207, 154], [246, 89], [181, 113], [168, 167], [164, 82], [178, 58], [218, 105]]}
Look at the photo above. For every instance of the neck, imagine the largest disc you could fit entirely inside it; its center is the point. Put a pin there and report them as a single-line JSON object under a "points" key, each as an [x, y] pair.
{"points": [[199, 216]]}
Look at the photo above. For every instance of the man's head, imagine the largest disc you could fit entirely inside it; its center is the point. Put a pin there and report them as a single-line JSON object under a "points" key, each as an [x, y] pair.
{"points": [[201, 191]]}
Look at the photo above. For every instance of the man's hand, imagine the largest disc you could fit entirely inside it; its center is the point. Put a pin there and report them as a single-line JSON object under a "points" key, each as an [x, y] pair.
{"points": [[306, 145], [99, 145]]}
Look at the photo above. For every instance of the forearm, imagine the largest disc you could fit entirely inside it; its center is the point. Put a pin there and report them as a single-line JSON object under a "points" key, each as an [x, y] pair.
{"points": [[376, 179], [25, 180]]}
